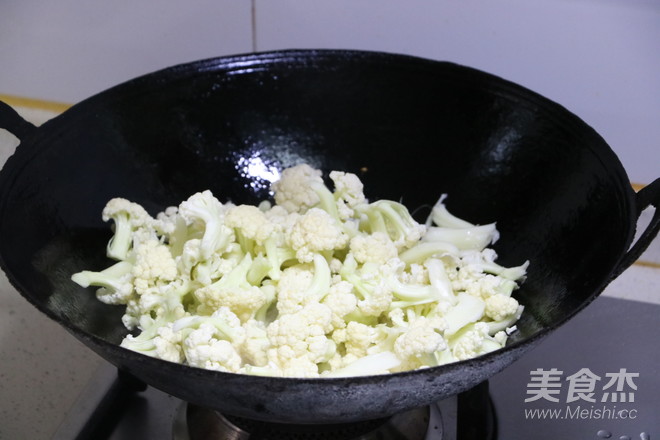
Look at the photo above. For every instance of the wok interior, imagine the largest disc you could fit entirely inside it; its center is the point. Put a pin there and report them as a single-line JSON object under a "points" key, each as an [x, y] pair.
{"points": [[411, 129]]}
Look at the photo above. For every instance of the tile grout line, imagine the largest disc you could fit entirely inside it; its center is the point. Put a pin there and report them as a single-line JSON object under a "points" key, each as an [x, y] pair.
{"points": [[253, 17]]}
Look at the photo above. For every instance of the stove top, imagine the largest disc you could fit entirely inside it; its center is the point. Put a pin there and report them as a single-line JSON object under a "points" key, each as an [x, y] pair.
{"points": [[597, 377]]}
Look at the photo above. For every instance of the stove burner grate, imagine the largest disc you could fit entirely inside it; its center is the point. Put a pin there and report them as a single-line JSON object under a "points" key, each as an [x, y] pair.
{"points": [[197, 423]]}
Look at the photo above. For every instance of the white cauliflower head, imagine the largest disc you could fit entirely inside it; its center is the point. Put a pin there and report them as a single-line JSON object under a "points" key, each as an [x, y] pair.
{"points": [[250, 221], [499, 307], [301, 337], [349, 193], [375, 248], [154, 266], [342, 301], [203, 349], [294, 192], [128, 217], [313, 232], [243, 302], [292, 288]]}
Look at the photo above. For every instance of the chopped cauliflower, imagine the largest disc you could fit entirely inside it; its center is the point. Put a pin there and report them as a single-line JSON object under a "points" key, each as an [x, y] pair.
{"points": [[320, 283], [474, 341], [313, 232], [418, 342], [254, 349], [341, 301], [251, 222], [499, 307], [203, 349], [203, 208], [291, 288], [374, 248], [154, 265], [168, 344], [301, 338], [359, 338], [294, 192], [349, 192], [128, 218], [243, 302]]}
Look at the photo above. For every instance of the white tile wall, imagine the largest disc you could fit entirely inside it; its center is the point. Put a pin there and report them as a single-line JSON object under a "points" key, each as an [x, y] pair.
{"points": [[67, 50], [599, 58]]}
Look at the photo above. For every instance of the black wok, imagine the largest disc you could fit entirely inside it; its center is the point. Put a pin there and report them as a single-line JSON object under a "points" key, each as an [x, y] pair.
{"points": [[411, 128]]}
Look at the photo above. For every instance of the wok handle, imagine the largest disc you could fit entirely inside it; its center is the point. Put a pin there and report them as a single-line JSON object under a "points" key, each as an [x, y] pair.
{"points": [[14, 123], [645, 197]]}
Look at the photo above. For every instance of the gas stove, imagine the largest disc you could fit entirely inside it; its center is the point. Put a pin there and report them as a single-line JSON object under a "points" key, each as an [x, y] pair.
{"points": [[597, 377]]}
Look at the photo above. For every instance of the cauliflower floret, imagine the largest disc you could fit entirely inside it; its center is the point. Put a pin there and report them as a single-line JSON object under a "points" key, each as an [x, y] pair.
{"points": [[254, 349], [484, 262], [166, 221], [338, 362], [205, 271], [417, 274], [218, 265], [294, 192], [280, 216], [160, 302], [349, 187], [417, 342], [212, 342], [375, 248], [173, 229], [203, 208], [131, 316], [378, 301], [299, 339], [162, 342], [115, 283], [234, 291], [481, 285], [202, 348], [250, 221], [499, 307], [416, 338], [293, 367], [370, 284], [341, 301], [154, 266], [312, 320], [127, 217], [244, 302], [168, 344], [473, 341], [292, 287], [335, 266], [349, 192], [315, 231], [359, 338]]}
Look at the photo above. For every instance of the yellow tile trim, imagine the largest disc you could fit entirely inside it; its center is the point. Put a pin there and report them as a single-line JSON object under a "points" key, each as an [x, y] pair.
{"points": [[644, 263], [19, 101], [651, 264]]}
